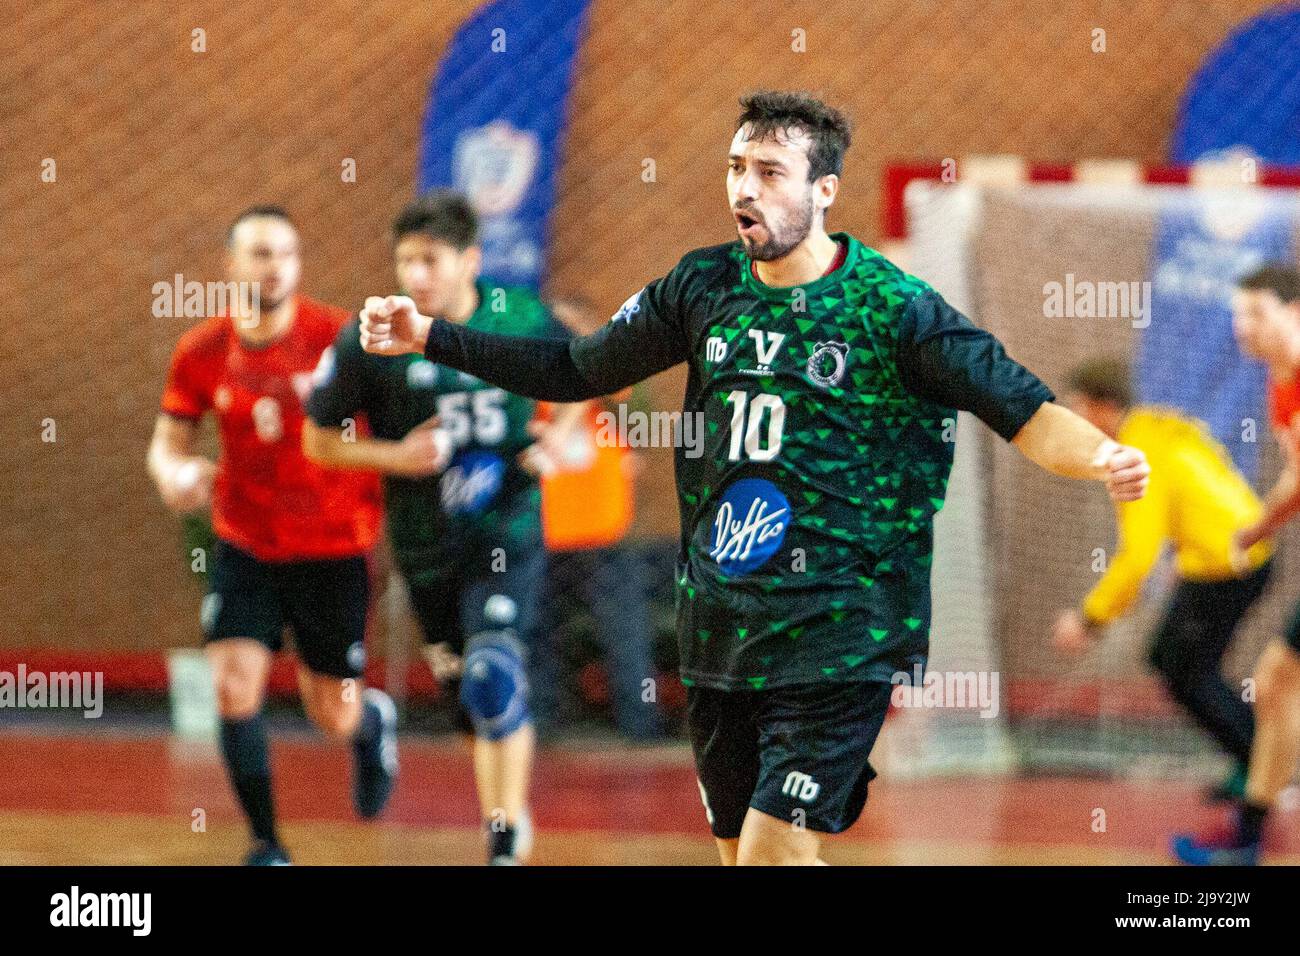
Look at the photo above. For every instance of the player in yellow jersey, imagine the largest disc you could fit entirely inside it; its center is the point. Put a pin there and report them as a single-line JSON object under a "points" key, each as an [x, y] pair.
{"points": [[1198, 502]]}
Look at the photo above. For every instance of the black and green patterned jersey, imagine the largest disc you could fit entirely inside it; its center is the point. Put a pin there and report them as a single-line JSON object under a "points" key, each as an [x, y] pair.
{"points": [[828, 412], [483, 495]]}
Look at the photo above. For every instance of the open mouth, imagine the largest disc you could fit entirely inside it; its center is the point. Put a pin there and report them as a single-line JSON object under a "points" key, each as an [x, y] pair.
{"points": [[747, 222]]}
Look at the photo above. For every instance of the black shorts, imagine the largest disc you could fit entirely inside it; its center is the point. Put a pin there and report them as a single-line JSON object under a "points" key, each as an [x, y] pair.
{"points": [[796, 753], [460, 598], [465, 597], [324, 601]]}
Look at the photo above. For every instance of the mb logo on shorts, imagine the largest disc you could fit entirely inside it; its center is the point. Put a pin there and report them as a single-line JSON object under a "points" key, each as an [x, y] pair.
{"points": [[801, 786]]}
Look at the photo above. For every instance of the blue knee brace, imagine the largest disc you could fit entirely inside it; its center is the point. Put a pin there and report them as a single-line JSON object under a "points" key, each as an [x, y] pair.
{"points": [[493, 685]]}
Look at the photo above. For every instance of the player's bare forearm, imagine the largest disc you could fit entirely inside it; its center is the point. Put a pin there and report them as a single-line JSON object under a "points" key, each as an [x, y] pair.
{"points": [[1281, 504], [1059, 441], [183, 479], [424, 450], [333, 448], [171, 445]]}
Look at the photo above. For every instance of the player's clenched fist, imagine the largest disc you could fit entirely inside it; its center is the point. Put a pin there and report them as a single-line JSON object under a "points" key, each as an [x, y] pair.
{"points": [[392, 325], [186, 485], [424, 451], [1126, 470]]}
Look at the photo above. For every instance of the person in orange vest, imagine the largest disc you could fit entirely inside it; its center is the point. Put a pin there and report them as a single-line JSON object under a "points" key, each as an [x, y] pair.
{"points": [[588, 504]]}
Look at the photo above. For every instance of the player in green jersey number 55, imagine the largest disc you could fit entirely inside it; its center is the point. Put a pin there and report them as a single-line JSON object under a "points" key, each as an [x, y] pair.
{"points": [[823, 374]]}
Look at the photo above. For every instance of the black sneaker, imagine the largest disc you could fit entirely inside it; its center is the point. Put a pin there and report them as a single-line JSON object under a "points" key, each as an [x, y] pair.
{"points": [[512, 846], [267, 854], [375, 774]]}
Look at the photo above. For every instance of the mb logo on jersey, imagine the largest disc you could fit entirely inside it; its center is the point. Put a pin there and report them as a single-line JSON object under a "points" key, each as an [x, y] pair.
{"points": [[471, 482], [801, 786], [827, 363], [749, 526]]}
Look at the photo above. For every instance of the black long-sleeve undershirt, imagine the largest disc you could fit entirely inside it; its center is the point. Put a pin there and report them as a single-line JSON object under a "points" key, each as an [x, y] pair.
{"points": [[537, 368], [620, 353]]}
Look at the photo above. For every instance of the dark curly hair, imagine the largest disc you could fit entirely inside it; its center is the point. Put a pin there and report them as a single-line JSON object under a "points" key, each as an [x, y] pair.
{"points": [[774, 111], [442, 214], [1282, 280]]}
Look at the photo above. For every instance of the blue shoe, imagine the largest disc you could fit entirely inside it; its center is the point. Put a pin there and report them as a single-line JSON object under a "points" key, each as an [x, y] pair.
{"points": [[375, 775], [267, 854], [1218, 850]]}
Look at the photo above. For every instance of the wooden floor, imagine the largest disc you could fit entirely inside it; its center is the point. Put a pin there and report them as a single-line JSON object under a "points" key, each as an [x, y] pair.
{"points": [[112, 799]]}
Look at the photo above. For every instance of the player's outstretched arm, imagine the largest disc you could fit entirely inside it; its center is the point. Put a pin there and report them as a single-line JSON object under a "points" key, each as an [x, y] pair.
{"points": [[1282, 503], [536, 368], [946, 358], [618, 355], [184, 479], [423, 451], [1063, 443]]}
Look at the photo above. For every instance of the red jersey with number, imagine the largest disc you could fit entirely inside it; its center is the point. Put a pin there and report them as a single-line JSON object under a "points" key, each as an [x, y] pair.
{"points": [[268, 498], [1284, 402]]}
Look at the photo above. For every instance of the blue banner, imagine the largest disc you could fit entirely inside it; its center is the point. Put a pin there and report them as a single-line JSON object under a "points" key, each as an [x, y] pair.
{"points": [[1187, 357], [1244, 97], [495, 125]]}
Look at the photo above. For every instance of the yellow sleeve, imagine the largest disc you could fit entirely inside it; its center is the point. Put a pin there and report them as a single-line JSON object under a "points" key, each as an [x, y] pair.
{"points": [[1142, 534]]}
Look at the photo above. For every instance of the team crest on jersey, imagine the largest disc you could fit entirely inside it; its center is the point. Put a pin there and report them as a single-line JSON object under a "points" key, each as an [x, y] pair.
{"points": [[471, 482], [421, 374], [749, 526], [629, 308], [827, 363]]}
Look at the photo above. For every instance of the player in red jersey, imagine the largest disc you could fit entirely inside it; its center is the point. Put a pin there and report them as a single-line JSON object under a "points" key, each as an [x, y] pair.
{"points": [[292, 536], [1266, 322]]}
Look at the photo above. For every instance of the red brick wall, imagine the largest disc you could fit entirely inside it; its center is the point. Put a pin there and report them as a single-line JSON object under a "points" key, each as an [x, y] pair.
{"points": [[157, 147]]}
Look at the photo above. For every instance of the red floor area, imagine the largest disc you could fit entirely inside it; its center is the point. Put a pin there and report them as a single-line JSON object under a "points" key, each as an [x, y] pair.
{"points": [[643, 791], [618, 791]]}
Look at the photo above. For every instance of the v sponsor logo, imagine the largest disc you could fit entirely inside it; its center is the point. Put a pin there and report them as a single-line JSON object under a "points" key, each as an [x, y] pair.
{"points": [[767, 344]]}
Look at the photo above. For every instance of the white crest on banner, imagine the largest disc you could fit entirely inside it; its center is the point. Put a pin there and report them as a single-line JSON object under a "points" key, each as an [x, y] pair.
{"points": [[494, 165]]}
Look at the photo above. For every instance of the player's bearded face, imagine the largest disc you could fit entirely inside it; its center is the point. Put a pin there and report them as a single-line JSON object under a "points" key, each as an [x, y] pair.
{"points": [[778, 230], [769, 192], [264, 254], [432, 272]]}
